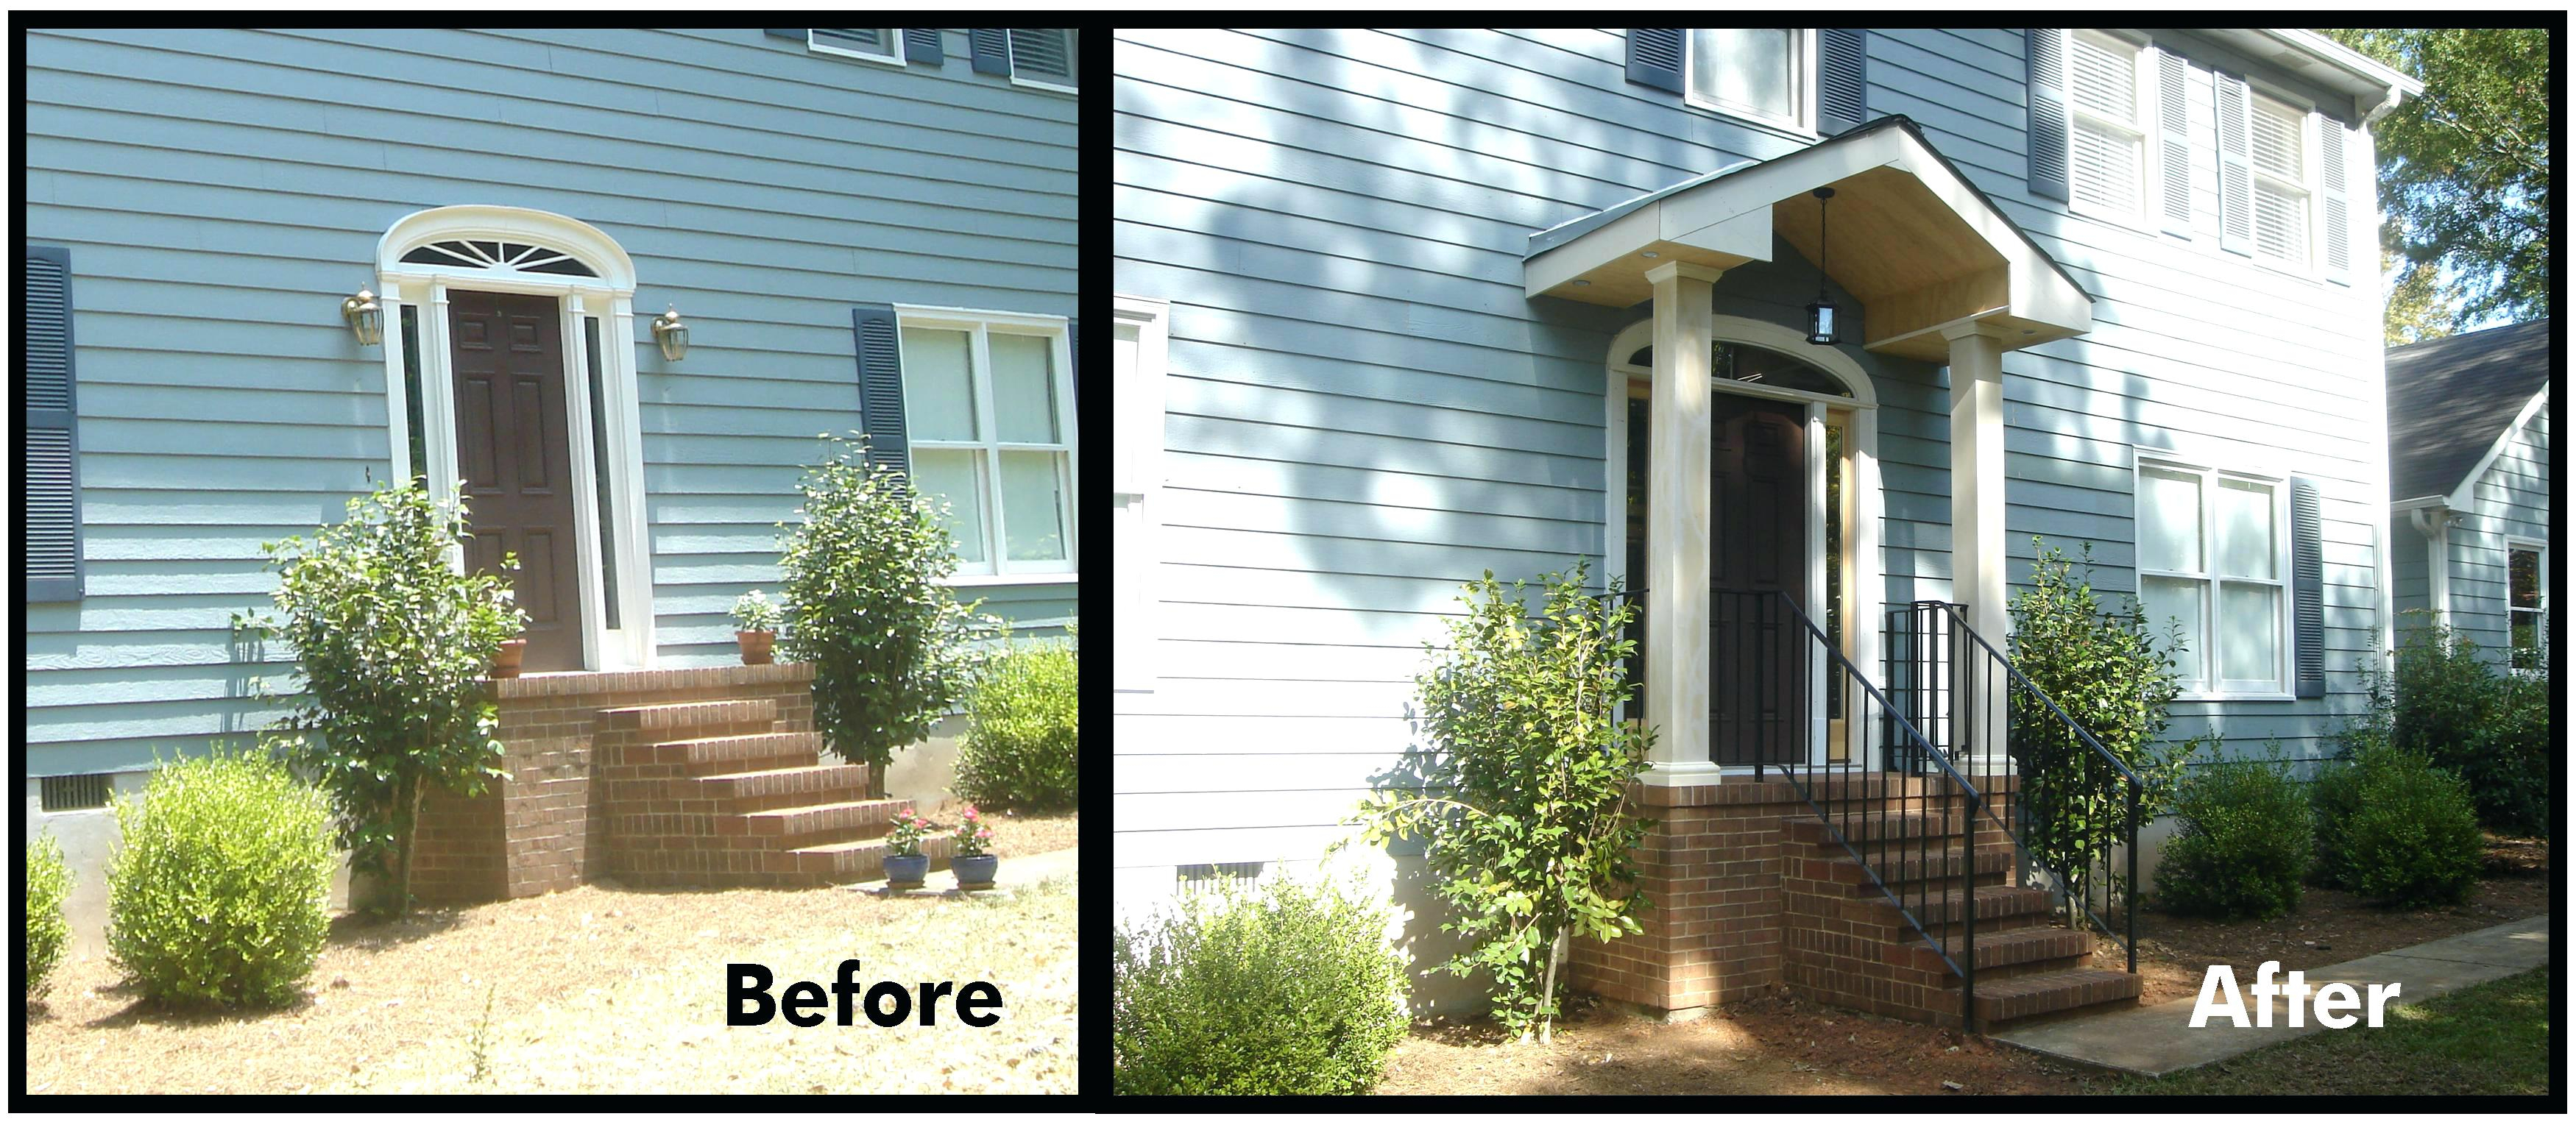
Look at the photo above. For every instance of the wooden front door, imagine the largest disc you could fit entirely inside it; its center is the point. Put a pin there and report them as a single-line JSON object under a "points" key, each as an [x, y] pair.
{"points": [[1757, 534], [514, 459]]}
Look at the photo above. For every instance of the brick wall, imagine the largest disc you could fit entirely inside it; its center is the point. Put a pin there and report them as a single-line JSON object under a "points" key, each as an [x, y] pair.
{"points": [[544, 827]]}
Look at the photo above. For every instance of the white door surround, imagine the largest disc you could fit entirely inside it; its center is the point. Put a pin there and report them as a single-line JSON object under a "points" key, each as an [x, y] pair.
{"points": [[608, 296]]}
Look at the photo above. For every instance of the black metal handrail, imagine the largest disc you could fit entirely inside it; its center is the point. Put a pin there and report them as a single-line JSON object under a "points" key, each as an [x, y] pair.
{"points": [[1954, 700]]}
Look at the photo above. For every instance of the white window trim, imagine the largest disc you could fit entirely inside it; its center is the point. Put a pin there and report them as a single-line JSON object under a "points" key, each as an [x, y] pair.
{"points": [[2215, 688], [1010, 51], [2310, 186], [2542, 548], [893, 58], [978, 323], [2145, 98], [1137, 482], [609, 296], [1804, 95]]}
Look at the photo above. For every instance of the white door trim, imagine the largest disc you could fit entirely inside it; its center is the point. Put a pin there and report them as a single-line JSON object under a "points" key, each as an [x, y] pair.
{"points": [[608, 296]]}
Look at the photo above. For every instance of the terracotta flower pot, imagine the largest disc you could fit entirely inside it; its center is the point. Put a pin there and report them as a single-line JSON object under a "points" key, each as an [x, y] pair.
{"points": [[756, 646], [505, 662]]}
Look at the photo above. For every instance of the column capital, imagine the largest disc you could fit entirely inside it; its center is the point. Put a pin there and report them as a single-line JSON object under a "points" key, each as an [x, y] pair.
{"points": [[1975, 328], [1671, 269]]}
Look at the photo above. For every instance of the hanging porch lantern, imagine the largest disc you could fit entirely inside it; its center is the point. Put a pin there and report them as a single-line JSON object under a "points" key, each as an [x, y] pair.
{"points": [[671, 334], [1821, 326]]}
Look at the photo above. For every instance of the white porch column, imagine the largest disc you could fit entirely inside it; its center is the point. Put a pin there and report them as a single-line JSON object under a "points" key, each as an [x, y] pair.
{"points": [[1676, 574], [1977, 529]]}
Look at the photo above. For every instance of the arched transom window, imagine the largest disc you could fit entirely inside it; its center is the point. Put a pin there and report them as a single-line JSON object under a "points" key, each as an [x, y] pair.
{"points": [[517, 256]]}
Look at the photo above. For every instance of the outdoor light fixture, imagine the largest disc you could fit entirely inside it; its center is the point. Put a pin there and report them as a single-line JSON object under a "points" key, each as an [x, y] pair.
{"points": [[1820, 315], [364, 317], [672, 334]]}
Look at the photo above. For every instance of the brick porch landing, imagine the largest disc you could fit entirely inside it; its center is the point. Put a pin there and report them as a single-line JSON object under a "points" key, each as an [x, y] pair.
{"points": [[699, 777]]}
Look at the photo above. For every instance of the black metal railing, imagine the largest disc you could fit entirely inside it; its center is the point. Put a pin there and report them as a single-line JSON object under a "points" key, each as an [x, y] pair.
{"points": [[1912, 835], [1979, 717]]}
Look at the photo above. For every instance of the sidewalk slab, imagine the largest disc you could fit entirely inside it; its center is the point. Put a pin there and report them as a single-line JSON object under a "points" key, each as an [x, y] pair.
{"points": [[2157, 1040]]}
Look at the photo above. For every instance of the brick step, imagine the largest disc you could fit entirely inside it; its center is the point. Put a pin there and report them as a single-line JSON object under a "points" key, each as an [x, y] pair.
{"points": [[848, 862], [779, 788], [2001, 954], [1997, 909], [2006, 1000], [689, 716], [1832, 787], [1901, 869], [825, 823], [1873, 833], [729, 755]]}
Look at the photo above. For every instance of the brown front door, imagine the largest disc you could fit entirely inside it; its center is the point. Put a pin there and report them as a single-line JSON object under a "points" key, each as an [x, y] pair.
{"points": [[516, 462], [1757, 510]]}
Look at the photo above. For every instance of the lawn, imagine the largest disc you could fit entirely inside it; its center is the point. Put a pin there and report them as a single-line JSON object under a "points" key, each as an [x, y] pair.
{"points": [[605, 989], [2491, 1039]]}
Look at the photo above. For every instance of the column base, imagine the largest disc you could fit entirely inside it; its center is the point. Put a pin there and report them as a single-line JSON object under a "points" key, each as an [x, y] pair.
{"points": [[1681, 773]]}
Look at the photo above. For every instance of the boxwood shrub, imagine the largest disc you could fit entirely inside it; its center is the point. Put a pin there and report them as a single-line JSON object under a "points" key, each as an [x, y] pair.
{"points": [[1284, 988], [2243, 845], [217, 895], [48, 880], [2401, 831], [1022, 731]]}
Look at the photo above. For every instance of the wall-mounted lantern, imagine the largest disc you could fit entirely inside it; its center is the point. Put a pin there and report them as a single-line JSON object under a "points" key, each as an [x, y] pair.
{"points": [[672, 334], [365, 318], [1820, 315]]}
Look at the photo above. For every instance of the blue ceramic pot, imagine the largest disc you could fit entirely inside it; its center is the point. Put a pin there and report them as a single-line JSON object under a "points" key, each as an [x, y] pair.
{"points": [[904, 870], [974, 870]]}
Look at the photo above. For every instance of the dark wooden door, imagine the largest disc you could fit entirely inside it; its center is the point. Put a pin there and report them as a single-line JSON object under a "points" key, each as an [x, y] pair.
{"points": [[1757, 509], [515, 460]]}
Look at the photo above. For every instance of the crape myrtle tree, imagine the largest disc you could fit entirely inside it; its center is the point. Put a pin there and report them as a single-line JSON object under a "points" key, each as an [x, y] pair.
{"points": [[1523, 797], [868, 606], [394, 641]]}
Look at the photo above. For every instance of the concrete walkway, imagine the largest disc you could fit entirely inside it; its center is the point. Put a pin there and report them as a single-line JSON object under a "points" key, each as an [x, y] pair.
{"points": [[2157, 1040]]}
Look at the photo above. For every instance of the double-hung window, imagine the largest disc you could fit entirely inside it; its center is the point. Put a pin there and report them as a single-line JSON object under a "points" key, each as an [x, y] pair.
{"points": [[2283, 183], [2107, 161], [2527, 602], [1764, 74], [989, 407], [2213, 557]]}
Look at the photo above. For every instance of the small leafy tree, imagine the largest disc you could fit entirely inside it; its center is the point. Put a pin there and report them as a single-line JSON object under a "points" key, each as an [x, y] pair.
{"points": [[48, 881], [1525, 786], [2102, 666], [863, 575], [394, 644]]}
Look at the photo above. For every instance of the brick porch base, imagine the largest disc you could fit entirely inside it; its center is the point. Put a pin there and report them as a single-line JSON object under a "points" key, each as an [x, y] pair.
{"points": [[707, 776]]}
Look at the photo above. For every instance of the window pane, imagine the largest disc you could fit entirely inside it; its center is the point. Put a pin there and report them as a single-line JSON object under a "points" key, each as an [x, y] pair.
{"points": [[2245, 530], [411, 390], [1024, 387], [2278, 141], [1032, 506], [2526, 640], [2165, 600], [938, 385], [2249, 648], [2106, 168], [2106, 80], [2169, 521], [1743, 66], [2526, 578], [949, 473], [599, 466], [2280, 223]]}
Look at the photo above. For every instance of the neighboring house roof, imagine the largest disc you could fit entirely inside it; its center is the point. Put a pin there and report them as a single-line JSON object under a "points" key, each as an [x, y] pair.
{"points": [[2451, 399]]}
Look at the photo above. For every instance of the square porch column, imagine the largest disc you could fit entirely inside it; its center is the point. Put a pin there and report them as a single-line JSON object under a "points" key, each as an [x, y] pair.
{"points": [[1676, 575], [1977, 477]]}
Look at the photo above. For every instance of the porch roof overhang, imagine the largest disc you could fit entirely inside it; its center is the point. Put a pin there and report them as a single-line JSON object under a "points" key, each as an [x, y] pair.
{"points": [[1918, 245]]}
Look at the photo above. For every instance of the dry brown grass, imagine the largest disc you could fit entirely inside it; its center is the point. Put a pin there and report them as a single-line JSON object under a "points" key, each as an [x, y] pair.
{"points": [[603, 989], [1016, 835]]}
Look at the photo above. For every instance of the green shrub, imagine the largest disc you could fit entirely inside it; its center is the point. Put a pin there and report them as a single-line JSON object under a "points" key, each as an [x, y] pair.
{"points": [[2403, 831], [217, 893], [48, 879], [1280, 989], [2332, 798], [1021, 731], [2491, 729], [2243, 844], [2510, 759]]}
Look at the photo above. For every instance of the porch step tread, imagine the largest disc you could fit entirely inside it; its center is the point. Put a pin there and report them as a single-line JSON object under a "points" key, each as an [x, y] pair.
{"points": [[855, 815], [1912, 869], [1999, 949], [851, 861], [734, 754], [815, 781], [686, 714], [1877, 827], [1992, 902], [2032, 995]]}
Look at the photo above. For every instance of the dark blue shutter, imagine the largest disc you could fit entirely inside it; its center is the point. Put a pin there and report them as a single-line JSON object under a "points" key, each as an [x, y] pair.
{"points": [[1842, 80], [921, 44], [1655, 57], [2044, 49], [50, 443], [2308, 587], [991, 50], [796, 33], [880, 349]]}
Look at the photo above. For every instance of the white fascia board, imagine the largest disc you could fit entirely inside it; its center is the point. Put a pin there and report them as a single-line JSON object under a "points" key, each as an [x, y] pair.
{"points": [[1623, 237]]}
